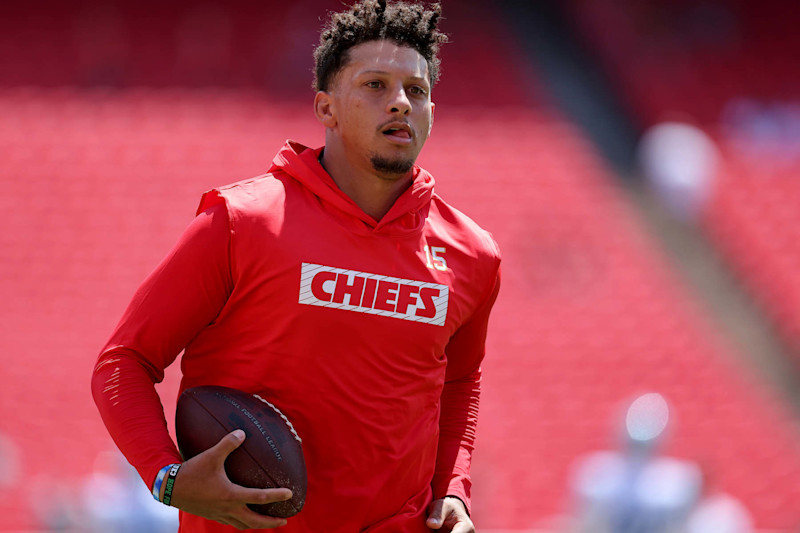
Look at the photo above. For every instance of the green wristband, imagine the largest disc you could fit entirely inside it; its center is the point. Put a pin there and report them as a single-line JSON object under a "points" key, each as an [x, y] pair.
{"points": [[170, 483]]}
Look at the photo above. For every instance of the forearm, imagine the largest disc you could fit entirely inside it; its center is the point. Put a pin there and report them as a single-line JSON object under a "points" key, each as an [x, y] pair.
{"points": [[124, 392], [458, 417], [182, 295], [457, 425]]}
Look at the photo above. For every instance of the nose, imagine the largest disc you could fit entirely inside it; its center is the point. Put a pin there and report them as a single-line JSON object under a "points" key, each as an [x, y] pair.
{"points": [[399, 102]]}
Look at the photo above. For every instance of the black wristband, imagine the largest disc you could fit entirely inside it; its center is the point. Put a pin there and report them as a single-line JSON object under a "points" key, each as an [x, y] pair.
{"points": [[170, 483]]}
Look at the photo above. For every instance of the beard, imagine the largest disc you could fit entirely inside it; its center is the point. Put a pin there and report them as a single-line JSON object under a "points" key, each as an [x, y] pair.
{"points": [[392, 167]]}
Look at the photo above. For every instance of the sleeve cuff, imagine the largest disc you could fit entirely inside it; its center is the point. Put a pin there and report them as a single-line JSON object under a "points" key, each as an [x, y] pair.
{"points": [[458, 488], [462, 501]]}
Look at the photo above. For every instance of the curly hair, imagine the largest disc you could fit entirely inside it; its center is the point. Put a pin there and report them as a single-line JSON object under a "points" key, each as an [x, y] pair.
{"points": [[405, 23]]}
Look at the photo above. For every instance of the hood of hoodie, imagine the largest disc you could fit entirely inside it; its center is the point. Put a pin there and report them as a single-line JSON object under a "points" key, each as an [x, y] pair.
{"points": [[406, 216]]}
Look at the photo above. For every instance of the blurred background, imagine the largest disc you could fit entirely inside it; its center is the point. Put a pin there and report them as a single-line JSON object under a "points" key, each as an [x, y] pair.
{"points": [[638, 163]]}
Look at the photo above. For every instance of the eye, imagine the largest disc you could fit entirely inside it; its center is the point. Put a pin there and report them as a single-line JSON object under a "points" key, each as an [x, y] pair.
{"points": [[417, 90], [374, 84]]}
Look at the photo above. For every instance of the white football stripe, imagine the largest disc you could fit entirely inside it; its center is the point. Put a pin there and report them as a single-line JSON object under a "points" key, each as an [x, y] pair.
{"points": [[288, 423]]}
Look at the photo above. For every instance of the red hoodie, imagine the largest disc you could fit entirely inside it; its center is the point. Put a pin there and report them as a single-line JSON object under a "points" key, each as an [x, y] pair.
{"points": [[367, 334]]}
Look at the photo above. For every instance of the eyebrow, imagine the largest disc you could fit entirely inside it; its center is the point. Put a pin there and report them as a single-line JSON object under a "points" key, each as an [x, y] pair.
{"points": [[386, 73]]}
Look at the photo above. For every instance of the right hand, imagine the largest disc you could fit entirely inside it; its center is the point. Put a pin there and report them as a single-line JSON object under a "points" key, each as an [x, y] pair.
{"points": [[202, 488]]}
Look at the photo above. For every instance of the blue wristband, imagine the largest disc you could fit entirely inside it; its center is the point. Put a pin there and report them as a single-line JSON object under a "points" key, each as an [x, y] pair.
{"points": [[173, 472], [159, 480]]}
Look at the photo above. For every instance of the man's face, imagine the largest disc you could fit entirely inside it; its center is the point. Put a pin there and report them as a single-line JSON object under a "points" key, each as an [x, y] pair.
{"points": [[382, 107]]}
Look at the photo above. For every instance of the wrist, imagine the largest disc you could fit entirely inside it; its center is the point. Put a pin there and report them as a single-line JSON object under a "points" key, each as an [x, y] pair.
{"points": [[164, 483], [158, 484], [462, 502], [169, 484]]}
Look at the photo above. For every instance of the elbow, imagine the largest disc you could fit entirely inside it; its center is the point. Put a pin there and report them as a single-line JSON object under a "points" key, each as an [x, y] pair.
{"points": [[116, 366], [105, 378]]}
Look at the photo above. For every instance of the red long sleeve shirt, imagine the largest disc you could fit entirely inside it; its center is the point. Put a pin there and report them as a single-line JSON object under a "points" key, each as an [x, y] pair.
{"points": [[367, 334]]}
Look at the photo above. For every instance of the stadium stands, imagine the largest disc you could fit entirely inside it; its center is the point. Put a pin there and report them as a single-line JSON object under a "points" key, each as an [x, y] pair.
{"points": [[591, 315], [98, 183], [692, 56], [731, 68]]}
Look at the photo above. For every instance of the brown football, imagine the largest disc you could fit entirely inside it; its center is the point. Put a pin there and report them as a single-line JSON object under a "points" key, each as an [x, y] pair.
{"points": [[271, 456]]}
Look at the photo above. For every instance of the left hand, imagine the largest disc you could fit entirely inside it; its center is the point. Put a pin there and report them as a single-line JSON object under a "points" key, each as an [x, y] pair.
{"points": [[449, 514]]}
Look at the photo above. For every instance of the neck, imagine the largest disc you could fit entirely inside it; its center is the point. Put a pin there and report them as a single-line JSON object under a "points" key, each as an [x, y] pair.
{"points": [[373, 193]]}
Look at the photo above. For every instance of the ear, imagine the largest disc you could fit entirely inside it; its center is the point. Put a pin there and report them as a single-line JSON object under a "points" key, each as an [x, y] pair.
{"points": [[430, 126], [324, 109]]}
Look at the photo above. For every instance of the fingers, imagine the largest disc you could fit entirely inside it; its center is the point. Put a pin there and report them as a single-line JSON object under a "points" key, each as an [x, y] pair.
{"points": [[227, 444], [436, 515], [235, 522], [248, 519], [463, 527], [240, 516], [449, 515], [261, 496], [202, 488]]}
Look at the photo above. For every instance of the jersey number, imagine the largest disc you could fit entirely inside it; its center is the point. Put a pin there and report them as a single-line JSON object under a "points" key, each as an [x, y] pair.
{"points": [[434, 256]]}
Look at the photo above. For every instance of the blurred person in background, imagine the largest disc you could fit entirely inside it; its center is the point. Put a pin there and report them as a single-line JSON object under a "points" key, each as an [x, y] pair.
{"points": [[110, 499], [717, 511], [339, 286], [114, 502], [720, 513], [680, 162], [765, 135], [635, 489]]}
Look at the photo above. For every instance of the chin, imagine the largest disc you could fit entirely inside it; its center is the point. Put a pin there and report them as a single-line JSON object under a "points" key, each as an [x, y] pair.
{"points": [[392, 166]]}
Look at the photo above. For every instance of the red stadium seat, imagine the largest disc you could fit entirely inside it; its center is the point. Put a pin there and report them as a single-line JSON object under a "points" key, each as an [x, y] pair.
{"points": [[98, 184]]}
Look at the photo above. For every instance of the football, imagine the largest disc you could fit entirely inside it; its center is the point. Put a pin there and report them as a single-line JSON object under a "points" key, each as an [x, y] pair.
{"points": [[271, 455]]}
